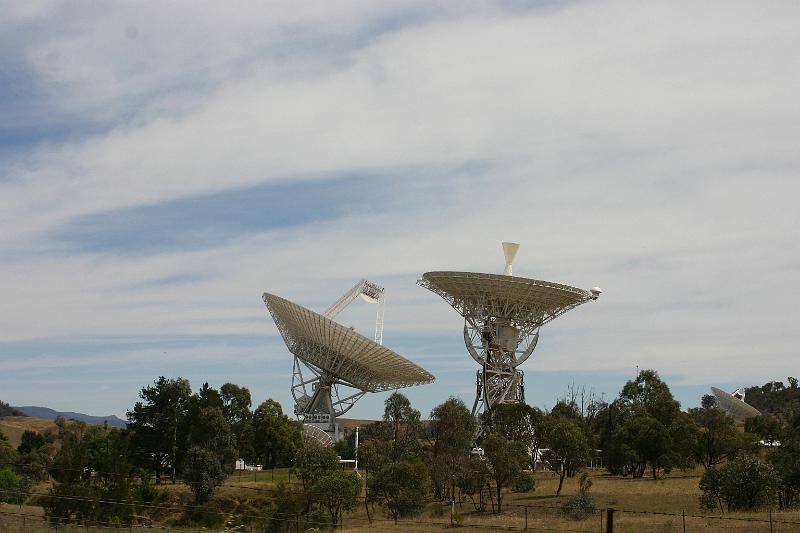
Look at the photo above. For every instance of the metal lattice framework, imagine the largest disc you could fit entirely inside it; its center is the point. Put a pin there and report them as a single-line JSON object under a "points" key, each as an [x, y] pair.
{"points": [[502, 316], [336, 356]]}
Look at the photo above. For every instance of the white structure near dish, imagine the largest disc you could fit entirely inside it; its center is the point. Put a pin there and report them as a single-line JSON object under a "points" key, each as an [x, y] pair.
{"points": [[329, 356], [502, 317]]}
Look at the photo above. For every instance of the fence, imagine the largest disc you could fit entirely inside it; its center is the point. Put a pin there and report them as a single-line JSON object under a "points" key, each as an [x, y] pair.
{"points": [[516, 517]]}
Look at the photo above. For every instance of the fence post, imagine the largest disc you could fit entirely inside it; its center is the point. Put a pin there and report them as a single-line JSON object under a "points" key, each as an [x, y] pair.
{"points": [[683, 517], [526, 518], [610, 520], [601, 521], [770, 520]]}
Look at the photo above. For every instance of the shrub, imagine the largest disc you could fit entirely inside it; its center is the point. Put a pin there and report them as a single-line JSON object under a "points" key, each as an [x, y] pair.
{"points": [[578, 507], [744, 484], [207, 515], [524, 482]]}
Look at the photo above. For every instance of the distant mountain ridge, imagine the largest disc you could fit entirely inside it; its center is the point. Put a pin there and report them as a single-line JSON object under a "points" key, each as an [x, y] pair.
{"points": [[51, 414], [7, 410]]}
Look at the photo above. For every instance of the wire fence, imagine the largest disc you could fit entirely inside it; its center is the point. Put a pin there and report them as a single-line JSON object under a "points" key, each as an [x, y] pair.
{"points": [[441, 515]]}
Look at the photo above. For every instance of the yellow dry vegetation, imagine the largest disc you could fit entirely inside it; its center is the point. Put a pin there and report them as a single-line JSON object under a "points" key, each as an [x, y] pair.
{"points": [[14, 426]]}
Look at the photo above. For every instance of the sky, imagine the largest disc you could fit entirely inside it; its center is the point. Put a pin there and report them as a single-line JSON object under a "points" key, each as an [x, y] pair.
{"points": [[162, 164]]}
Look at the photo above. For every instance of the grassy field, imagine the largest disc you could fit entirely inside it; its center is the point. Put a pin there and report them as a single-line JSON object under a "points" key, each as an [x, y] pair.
{"points": [[638, 504]]}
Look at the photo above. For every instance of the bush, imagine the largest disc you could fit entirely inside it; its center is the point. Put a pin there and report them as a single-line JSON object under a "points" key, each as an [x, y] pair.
{"points": [[207, 515], [744, 484], [524, 482], [578, 507]]}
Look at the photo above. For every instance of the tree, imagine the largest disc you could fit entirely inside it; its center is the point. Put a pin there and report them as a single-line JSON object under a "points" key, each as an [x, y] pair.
{"points": [[313, 461], [452, 430], [404, 420], [337, 492], [236, 404], [711, 438], [9, 487], [31, 440], [786, 461], [203, 471], [276, 438], [647, 394], [742, 484], [506, 459], [155, 422], [400, 488], [568, 448], [650, 440], [517, 422]]}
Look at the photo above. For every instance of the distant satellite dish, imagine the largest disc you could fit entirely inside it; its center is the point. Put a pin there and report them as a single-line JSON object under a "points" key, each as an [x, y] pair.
{"points": [[315, 434], [735, 407]]}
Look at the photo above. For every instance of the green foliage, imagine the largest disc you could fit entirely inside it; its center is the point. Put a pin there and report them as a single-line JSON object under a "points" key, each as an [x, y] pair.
{"points": [[405, 425], [524, 482], [276, 438], [31, 440], [313, 461], [578, 507], [337, 492], [452, 428], [7, 452], [288, 513], [35, 464], [713, 437], [505, 459], [568, 448], [156, 422], [786, 461], [203, 471], [582, 506], [208, 515], [743, 484], [9, 487], [472, 479], [775, 398], [400, 488], [236, 404]]}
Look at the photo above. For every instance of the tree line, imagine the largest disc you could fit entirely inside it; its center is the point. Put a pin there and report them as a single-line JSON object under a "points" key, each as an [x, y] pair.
{"points": [[195, 437]]}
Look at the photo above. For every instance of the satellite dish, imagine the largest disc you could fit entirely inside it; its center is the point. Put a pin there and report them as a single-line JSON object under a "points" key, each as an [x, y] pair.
{"points": [[336, 357], [317, 435], [502, 316], [733, 405]]}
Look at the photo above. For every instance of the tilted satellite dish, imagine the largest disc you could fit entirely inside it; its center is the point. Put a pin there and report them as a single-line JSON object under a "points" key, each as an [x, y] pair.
{"points": [[734, 404], [335, 356], [502, 316]]}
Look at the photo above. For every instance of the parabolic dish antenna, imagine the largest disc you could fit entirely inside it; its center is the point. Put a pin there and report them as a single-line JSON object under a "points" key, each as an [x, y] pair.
{"points": [[734, 404], [336, 356], [502, 316]]}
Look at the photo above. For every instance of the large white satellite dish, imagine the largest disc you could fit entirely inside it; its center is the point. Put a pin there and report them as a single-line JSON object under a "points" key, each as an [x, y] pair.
{"points": [[335, 356], [734, 404], [502, 316]]}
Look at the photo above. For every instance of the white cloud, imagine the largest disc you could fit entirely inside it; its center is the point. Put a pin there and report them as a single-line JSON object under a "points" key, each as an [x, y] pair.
{"points": [[647, 149]]}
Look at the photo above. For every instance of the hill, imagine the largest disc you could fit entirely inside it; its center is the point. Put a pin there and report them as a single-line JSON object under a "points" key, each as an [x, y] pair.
{"points": [[14, 426], [7, 410], [775, 397], [50, 414]]}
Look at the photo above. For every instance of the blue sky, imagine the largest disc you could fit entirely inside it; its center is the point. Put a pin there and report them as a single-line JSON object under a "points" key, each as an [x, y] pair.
{"points": [[162, 165]]}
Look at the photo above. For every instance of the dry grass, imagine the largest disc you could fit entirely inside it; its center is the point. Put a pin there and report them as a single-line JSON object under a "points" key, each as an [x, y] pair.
{"points": [[635, 500], [14, 426]]}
